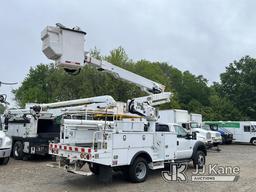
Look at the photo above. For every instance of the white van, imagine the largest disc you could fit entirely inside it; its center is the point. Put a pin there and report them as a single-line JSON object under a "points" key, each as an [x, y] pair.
{"points": [[243, 131]]}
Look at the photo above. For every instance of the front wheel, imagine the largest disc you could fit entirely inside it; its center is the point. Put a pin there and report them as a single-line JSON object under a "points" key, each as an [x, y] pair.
{"points": [[4, 161], [199, 160], [253, 142], [138, 170]]}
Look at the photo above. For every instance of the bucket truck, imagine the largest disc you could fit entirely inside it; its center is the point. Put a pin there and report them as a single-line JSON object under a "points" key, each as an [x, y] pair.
{"points": [[32, 128], [133, 147]]}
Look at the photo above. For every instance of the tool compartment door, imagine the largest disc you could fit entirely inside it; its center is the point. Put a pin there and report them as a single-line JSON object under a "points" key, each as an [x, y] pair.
{"points": [[170, 146]]}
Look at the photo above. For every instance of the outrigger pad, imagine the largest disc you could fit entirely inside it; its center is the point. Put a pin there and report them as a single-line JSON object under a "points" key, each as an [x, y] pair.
{"points": [[105, 174]]}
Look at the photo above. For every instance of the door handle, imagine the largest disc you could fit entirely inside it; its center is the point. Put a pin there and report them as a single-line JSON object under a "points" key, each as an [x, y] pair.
{"points": [[178, 143]]}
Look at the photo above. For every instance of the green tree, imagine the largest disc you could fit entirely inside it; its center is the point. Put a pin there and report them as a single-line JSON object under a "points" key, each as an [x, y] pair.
{"points": [[238, 84]]}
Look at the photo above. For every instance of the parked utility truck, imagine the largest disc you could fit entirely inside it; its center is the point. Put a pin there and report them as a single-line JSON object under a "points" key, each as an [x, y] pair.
{"points": [[119, 144], [32, 128], [191, 122], [130, 146], [227, 136], [196, 123]]}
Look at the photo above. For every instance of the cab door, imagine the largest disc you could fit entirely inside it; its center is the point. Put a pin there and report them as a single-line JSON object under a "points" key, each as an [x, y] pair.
{"points": [[184, 144]]}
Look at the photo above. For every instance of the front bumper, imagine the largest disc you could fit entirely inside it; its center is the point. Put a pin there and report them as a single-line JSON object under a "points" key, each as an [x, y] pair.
{"points": [[217, 140], [5, 153], [207, 142]]}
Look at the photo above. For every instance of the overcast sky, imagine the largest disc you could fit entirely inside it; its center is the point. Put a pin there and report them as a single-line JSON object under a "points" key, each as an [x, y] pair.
{"points": [[202, 36]]}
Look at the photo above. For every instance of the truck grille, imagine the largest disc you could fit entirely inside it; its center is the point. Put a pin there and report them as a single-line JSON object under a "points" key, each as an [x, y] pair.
{"points": [[208, 135], [1, 141]]}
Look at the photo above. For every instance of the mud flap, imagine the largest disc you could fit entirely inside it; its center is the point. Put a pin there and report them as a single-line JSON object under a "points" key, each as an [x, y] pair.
{"points": [[105, 174]]}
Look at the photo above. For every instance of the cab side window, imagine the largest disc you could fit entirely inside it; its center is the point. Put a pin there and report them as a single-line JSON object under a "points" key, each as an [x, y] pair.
{"points": [[180, 131], [162, 128], [246, 128]]}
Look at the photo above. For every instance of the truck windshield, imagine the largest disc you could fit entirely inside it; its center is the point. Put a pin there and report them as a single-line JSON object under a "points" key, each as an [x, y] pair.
{"points": [[194, 125], [206, 127], [253, 128]]}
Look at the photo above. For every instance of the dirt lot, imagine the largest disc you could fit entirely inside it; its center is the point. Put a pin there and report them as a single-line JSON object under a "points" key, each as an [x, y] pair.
{"points": [[26, 176]]}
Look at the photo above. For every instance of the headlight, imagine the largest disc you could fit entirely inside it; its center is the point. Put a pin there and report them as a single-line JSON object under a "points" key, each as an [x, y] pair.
{"points": [[9, 143]]}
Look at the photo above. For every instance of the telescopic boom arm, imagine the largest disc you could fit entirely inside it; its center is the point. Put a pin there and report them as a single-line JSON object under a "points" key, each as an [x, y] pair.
{"points": [[66, 47]]}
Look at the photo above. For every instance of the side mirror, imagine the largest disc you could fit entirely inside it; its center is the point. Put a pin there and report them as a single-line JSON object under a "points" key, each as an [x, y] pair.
{"points": [[194, 135]]}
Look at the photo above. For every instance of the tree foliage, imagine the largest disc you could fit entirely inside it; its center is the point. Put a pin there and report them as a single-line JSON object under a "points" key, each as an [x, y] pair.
{"points": [[238, 84], [46, 83]]}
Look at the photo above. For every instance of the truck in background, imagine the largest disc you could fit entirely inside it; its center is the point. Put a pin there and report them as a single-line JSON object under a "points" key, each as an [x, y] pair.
{"points": [[33, 127], [191, 122], [30, 133], [196, 123], [243, 131], [5, 146], [227, 136]]}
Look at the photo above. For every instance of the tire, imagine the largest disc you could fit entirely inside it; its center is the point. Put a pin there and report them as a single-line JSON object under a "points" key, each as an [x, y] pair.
{"points": [[4, 161], [199, 160], [94, 168], [17, 150], [253, 141], [138, 170]]}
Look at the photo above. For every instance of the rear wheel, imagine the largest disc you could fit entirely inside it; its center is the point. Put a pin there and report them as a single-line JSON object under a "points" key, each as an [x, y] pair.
{"points": [[138, 170], [17, 150], [253, 141], [4, 161], [199, 160]]}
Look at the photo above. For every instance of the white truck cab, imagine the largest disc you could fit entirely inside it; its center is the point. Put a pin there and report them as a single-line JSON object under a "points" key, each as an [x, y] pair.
{"points": [[214, 137], [5, 146], [182, 117], [197, 125]]}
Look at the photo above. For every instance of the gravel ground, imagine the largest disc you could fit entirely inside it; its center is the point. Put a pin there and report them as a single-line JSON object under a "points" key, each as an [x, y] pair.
{"points": [[26, 176]]}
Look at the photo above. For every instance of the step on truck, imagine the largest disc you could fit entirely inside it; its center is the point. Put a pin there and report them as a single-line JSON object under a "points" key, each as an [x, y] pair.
{"points": [[131, 146]]}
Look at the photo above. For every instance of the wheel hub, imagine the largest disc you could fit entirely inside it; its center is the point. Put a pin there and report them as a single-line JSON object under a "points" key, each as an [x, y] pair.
{"points": [[141, 170]]}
